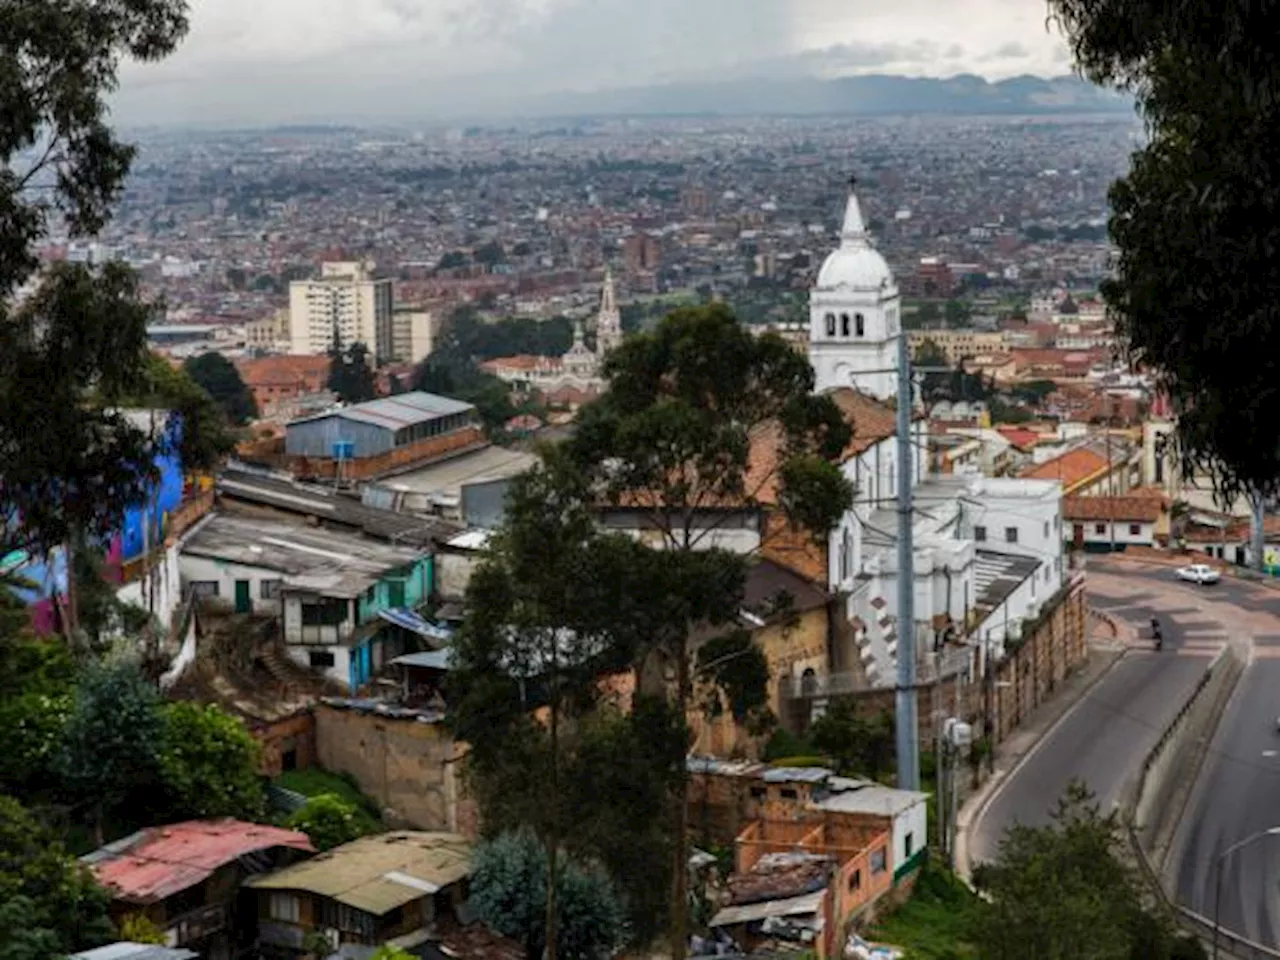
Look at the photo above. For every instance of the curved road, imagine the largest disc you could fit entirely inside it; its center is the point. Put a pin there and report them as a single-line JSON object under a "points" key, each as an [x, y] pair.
{"points": [[1104, 738]]}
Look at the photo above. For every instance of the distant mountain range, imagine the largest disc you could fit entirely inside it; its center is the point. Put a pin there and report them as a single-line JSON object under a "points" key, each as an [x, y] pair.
{"points": [[862, 95]]}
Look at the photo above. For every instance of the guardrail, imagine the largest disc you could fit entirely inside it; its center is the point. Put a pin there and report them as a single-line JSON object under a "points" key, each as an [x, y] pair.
{"points": [[1138, 811]]}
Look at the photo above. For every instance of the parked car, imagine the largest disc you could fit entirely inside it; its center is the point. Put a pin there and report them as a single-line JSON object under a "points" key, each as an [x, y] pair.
{"points": [[1199, 573]]}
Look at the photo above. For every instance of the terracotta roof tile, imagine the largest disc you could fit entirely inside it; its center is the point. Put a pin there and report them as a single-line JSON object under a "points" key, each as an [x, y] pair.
{"points": [[1138, 509], [1072, 468]]}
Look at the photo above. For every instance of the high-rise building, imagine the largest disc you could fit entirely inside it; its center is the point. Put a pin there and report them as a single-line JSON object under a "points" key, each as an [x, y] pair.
{"points": [[642, 252], [413, 332], [347, 301]]}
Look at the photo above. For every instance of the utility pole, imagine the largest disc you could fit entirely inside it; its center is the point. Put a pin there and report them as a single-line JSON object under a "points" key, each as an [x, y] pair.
{"points": [[905, 700]]}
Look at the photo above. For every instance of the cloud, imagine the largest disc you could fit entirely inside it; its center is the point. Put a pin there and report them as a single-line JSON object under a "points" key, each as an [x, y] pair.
{"points": [[272, 60], [1006, 51]]}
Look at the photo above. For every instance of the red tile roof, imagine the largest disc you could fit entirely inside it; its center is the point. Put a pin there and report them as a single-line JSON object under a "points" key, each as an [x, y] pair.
{"points": [[1139, 509], [154, 864], [1072, 468], [1020, 438]]}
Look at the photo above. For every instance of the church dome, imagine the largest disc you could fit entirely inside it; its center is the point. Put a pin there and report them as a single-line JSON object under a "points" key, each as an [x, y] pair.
{"points": [[855, 263]]}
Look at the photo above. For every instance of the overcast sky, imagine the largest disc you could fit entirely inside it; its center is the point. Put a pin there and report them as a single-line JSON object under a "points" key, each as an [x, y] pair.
{"points": [[253, 61]]}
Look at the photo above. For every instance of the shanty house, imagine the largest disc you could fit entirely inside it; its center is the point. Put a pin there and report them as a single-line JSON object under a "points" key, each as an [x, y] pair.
{"points": [[343, 600], [186, 878], [389, 888]]}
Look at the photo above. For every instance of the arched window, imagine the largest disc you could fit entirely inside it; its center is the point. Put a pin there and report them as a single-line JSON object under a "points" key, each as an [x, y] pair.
{"points": [[831, 324], [861, 325], [844, 324], [808, 682]]}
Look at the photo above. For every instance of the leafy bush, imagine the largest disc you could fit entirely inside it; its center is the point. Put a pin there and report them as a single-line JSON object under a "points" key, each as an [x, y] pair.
{"points": [[209, 763], [329, 821], [509, 893]]}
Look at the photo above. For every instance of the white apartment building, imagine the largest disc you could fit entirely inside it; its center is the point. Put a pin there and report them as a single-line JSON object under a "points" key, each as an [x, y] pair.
{"points": [[348, 298], [413, 333]]}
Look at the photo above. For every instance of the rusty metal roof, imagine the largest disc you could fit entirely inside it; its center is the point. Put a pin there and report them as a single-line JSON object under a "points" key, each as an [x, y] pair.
{"points": [[155, 863]]}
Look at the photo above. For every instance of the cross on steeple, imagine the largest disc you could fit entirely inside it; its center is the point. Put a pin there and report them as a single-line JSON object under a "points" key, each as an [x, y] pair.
{"points": [[853, 181]]}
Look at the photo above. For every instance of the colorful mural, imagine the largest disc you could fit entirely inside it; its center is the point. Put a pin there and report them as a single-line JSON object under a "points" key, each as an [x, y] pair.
{"points": [[142, 525]]}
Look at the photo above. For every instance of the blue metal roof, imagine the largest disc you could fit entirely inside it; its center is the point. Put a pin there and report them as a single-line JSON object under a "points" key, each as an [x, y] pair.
{"points": [[415, 622], [427, 659]]}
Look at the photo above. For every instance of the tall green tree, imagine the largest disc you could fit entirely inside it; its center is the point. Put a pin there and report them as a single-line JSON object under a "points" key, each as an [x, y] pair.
{"points": [[350, 375], [81, 337], [222, 381], [678, 436], [1195, 220], [61, 906], [209, 763], [1065, 892], [546, 621]]}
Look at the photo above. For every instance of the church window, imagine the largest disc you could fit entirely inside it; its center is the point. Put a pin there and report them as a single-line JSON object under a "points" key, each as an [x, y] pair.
{"points": [[831, 324], [844, 324], [862, 328]]}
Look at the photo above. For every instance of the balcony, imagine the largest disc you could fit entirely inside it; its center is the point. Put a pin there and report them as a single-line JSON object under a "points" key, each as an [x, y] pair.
{"points": [[196, 925]]}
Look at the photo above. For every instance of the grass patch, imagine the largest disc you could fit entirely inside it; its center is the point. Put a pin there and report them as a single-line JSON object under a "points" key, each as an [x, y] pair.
{"points": [[314, 781], [935, 923]]}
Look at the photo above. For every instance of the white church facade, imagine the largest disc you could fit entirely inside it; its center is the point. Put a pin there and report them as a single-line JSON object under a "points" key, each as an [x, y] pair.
{"points": [[579, 368], [987, 552]]}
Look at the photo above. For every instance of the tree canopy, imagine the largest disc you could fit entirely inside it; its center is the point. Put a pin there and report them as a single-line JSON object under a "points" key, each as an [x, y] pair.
{"points": [[221, 380], [509, 893], [60, 907], [209, 763], [112, 740], [1195, 220], [1065, 892], [60, 163], [676, 439], [350, 375]]}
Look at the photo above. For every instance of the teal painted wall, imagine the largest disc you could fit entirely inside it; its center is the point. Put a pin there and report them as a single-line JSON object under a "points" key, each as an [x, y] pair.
{"points": [[418, 581]]}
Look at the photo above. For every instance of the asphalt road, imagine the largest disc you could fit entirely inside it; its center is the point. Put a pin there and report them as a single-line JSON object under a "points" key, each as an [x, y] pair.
{"points": [[1239, 794], [1103, 739]]}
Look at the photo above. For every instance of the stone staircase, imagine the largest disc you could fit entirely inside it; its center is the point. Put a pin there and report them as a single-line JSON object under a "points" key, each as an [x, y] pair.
{"points": [[875, 636]]}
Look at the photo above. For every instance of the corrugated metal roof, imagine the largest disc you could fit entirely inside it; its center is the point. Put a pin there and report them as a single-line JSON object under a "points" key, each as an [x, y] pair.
{"points": [[378, 873], [127, 950], [154, 864], [415, 622], [397, 412], [428, 659], [801, 906]]}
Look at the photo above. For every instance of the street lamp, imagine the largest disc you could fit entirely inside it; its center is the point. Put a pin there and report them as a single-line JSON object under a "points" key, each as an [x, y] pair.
{"points": [[1217, 890]]}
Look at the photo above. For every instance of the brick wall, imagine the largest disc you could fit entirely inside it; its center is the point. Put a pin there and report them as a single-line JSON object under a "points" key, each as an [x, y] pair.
{"points": [[296, 734]]}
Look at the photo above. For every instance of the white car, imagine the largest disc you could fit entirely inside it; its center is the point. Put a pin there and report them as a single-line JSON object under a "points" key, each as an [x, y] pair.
{"points": [[1199, 573]]}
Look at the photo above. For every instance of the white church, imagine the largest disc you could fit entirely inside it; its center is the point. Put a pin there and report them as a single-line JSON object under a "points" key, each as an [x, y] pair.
{"points": [[987, 552]]}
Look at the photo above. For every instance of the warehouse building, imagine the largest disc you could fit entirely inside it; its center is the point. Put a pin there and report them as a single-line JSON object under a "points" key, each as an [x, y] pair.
{"points": [[374, 439]]}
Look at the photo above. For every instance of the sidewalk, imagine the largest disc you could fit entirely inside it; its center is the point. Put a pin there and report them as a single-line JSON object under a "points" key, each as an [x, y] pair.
{"points": [[1104, 652]]}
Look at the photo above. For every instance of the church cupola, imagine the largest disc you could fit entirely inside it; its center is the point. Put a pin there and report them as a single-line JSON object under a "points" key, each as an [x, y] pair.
{"points": [[854, 314]]}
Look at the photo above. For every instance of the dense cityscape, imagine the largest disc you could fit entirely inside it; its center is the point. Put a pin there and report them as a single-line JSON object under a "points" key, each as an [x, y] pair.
{"points": [[815, 536]]}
